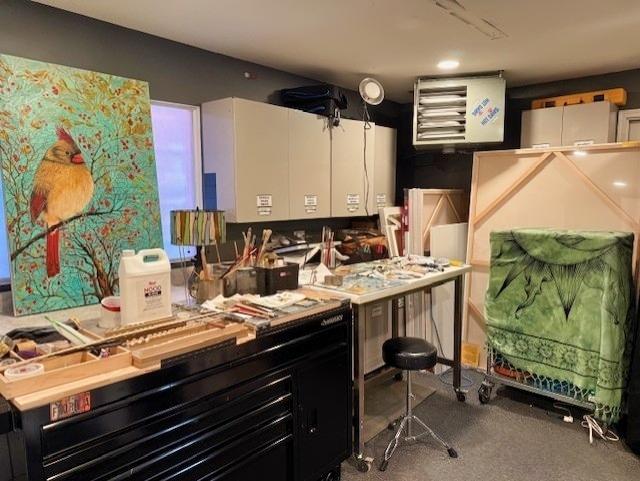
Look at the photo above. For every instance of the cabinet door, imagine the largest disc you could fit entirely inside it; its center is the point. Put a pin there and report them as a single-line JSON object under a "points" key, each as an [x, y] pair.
{"points": [[324, 409], [262, 161], [585, 124], [384, 170], [350, 180], [542, 127], [377, 330], [309, 166]]}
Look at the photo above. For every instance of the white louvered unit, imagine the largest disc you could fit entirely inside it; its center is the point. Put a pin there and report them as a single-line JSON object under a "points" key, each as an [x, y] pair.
{"points": [[453, 111]]}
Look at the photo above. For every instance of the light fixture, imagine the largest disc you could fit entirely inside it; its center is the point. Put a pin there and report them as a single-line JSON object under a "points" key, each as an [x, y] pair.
{"points": [[371, 91], [448, 64], [579, 153], [619, 183]]}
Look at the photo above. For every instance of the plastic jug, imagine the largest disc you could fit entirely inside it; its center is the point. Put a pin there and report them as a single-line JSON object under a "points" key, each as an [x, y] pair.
{"points": [[145, 285]]}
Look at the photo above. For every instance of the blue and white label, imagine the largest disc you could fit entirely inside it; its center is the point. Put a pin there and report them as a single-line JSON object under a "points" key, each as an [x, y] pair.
{"points": [[485, 112]]}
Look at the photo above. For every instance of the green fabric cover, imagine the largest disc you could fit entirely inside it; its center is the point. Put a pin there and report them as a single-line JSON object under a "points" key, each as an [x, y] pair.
{"points": [[559, 306]]}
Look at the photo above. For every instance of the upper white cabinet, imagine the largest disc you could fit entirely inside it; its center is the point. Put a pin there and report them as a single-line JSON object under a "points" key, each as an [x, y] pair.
{"points": [[542, 127], [273, 163], [352, 169], [581, 124], [309, 166], [592, 123], [246, 144], [384, 168]]}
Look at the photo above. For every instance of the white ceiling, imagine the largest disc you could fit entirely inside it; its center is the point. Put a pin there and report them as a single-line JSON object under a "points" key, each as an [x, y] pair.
{"points": [[340, 41]]}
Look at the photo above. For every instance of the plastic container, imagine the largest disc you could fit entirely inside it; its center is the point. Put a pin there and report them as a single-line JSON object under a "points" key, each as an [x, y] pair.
{"points": [[109, 312], [145, 285]]}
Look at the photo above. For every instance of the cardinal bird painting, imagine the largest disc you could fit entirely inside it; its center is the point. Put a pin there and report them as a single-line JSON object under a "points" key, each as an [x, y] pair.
{"points": [[62, 188], [78, 181]]}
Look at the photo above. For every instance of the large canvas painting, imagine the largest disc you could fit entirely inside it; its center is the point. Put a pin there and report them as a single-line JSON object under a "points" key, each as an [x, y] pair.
{"points": [[79, 181]]}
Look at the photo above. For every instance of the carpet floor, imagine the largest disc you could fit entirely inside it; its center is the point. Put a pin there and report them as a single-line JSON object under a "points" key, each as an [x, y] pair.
{"points": [[516, 437]]}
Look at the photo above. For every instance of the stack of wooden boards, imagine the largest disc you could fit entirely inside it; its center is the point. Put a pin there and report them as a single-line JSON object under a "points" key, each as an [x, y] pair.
{"points": [[143, 345]]}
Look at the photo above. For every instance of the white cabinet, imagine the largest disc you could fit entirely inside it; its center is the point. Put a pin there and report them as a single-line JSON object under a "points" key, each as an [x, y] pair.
{"points": [[582, 124], [309, 166], [592, 123], [246, 144], [384, 167], [273, 163], [352, 169], [542, 127]]}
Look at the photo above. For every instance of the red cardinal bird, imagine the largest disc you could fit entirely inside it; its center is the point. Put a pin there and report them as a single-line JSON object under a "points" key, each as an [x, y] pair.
{"points": [[62, 188]]}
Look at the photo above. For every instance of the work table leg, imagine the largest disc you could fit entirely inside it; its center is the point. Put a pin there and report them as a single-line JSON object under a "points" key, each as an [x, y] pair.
{"points": [[457, 340]]}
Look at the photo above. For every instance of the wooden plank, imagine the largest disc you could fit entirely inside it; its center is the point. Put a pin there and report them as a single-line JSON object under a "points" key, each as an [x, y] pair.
{"points": [[470, 233], [476, 311], [480, 263], [453, 207], [58, 372], [434, 214], [611, 147], [45, 396], [513, 188], [152, 355], [617, 96]]}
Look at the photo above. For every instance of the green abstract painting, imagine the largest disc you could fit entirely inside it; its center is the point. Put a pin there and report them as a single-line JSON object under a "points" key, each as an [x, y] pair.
{"points": [[79, 181]]}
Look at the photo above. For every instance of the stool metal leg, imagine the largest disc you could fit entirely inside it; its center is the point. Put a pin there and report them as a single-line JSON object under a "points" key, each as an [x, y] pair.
{"points": [[407, 420]]}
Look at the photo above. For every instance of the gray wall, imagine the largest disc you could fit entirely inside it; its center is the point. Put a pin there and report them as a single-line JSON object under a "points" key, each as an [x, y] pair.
{"points": [[175, 72]]}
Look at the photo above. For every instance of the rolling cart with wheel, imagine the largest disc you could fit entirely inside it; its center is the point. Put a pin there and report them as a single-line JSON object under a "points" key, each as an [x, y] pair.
{"points": [[499, 371]]}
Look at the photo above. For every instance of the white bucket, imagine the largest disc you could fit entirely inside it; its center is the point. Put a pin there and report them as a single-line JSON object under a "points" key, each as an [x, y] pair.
{"points": [[145, 285]]}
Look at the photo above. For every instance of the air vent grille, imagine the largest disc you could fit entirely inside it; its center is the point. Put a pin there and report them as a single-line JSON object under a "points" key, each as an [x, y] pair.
{"points": [[441, 114]]}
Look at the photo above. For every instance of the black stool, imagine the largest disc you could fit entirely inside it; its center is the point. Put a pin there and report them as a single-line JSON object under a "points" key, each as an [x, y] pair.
{"points": [[410, 354]]}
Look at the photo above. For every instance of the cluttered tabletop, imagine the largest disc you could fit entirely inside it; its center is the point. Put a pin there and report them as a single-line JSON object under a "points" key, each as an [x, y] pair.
{"points": [[82, 355]]}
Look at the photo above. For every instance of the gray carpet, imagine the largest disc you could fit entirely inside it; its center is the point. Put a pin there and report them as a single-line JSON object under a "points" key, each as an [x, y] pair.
{"points": [[508, 439], [385, 401]]}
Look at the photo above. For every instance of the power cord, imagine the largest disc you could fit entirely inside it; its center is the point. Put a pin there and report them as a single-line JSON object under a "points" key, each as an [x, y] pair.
{"points": [[563, 412], [367, 126], [603, 431], [466, 381]]}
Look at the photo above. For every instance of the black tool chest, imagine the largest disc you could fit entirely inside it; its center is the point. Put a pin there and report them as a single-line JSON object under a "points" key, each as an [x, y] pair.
{"points": [[276, 408]]}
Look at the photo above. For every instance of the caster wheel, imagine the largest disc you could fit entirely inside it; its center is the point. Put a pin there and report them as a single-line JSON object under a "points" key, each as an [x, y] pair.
{"points": [[461, 396], [452, 453], [333, 475], [484, 393], [363, 465], [383, 465], [397, 376]]}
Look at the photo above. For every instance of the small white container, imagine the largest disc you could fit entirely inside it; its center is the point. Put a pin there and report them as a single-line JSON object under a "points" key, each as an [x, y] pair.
{"points": [[109, 312], [145, 285]]}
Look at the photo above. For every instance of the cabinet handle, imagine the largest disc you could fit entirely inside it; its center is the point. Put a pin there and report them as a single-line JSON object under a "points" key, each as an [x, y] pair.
{"points": [[312, 421]]}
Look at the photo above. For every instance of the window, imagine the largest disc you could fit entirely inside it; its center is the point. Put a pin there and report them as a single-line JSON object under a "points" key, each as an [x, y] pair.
{"points": [[4, 248], [176, 138]]}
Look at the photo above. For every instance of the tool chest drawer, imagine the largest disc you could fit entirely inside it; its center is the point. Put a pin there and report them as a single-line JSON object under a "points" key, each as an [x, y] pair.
{"points": [[150, 435]]}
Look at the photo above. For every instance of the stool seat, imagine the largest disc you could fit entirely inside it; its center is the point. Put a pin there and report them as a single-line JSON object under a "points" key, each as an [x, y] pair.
{"points": [[409, 353]]}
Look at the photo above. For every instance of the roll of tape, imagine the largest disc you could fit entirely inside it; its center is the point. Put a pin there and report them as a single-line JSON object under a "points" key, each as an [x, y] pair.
{"points": [[21, 372]]}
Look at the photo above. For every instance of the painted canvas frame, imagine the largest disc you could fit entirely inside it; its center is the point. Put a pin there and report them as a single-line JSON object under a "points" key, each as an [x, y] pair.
{"points": [[79, 181]]}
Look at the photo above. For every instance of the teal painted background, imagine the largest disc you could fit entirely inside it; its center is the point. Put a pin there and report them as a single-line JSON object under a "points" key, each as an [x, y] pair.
{"points": [[109, 117]]}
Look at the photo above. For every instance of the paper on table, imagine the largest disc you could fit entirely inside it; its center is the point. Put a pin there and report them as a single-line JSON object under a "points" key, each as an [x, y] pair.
{"points": [[306, 276]]}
